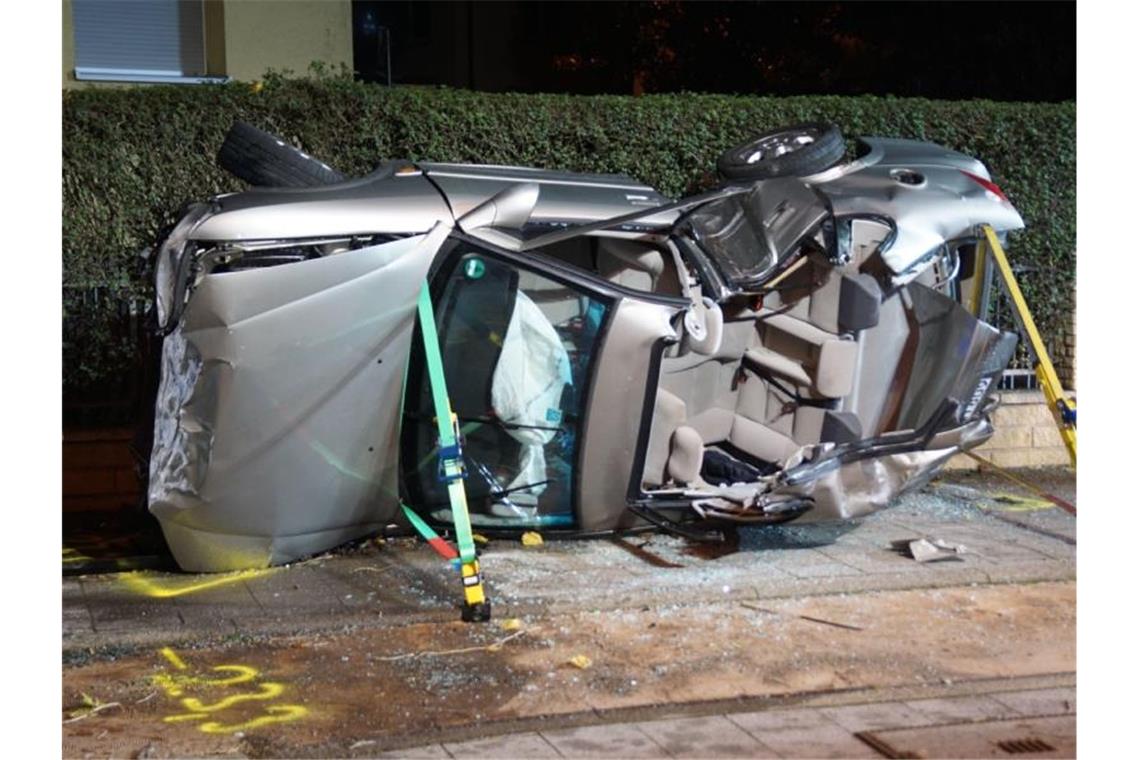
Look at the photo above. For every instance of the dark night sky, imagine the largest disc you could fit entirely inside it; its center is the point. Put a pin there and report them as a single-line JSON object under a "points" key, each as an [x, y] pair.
{"points": [[999, 50]]}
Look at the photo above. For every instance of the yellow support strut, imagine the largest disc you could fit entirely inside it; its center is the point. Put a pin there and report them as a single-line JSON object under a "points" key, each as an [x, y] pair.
{"points": [[1063, 409]]}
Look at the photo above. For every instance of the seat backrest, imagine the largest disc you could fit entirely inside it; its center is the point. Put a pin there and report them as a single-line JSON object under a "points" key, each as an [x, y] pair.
{"points": [[630, 263]]}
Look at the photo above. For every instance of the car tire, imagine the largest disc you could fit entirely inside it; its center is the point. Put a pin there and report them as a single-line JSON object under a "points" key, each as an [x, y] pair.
{"points": [[793, 151], [264, 160]]}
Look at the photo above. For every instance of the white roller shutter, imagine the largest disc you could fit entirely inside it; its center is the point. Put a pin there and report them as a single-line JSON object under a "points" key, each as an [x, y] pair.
{"points": [[138, 40]]}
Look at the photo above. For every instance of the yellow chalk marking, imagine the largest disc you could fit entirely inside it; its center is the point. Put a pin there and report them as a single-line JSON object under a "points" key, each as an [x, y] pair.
{"points": [[1007, 502], [281, 714], [269, 690], [73, 555], [173, 686], [140, 583], [173, 658], [168, 685], [244, 673]]}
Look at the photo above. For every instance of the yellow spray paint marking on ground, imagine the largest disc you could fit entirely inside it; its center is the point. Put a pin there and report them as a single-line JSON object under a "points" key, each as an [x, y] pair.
{"points": [[278, 714], [1008, 502], [177, 684], [173, 658], [146, 585], [72, 555]]}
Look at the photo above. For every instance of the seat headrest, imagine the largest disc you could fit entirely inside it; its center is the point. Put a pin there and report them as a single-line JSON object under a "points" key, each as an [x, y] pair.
{"points": [[632, 255]]}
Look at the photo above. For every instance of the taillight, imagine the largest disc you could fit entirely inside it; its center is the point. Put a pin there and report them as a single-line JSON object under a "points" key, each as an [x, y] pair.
{"points": [[987, 185]]}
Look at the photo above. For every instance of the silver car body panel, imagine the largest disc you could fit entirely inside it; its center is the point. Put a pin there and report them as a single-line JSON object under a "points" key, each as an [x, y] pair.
{"points": [[383, 201], [260, 458], [563, 198], [946, 205]]}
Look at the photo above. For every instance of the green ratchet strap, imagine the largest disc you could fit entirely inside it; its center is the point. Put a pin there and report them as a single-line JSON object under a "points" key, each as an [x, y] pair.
{"points": [[435, 541], [450, 471]]}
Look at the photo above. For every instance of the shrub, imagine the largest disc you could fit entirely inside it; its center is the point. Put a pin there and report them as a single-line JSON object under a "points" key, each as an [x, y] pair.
{"points": [[131, 157]]}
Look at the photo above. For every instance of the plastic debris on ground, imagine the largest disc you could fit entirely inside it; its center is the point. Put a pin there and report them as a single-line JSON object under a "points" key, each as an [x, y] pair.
{"points": [[929, 549], [530, 538], [580, 661]]}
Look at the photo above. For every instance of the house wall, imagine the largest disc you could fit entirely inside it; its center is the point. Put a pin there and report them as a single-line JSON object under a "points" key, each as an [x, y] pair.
{"points": [[1025, 435], [246, 37], [286, 34]]}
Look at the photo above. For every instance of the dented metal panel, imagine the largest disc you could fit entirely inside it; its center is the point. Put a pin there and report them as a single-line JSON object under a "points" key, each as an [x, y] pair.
{"points": [[380, 202], [924, 189], [278, 409]]}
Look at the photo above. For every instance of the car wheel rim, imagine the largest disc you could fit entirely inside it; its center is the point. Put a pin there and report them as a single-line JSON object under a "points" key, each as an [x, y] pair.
{"points": [[779, 144]]}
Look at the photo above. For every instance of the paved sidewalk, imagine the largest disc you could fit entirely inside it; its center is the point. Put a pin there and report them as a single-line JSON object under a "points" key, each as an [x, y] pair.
{"points": [[802, 640], [977, 723], [402, 582]]}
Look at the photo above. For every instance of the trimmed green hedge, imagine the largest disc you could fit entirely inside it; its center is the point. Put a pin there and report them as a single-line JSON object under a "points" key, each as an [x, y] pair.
{"points": [[131, 157]]}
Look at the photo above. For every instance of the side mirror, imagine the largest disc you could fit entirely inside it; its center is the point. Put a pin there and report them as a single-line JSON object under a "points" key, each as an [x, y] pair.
{"points": [[509, 209]]}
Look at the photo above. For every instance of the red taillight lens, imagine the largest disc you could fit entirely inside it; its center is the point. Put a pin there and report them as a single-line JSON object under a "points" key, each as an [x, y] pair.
{"points": [[987, 185]]}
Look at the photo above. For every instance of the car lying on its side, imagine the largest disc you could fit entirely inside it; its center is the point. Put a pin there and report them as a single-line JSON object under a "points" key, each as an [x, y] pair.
{"points": [[803, 342]]}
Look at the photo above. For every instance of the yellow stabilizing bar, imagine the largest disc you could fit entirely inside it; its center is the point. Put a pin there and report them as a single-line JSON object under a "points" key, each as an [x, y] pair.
{"points": [[1064, 410]]}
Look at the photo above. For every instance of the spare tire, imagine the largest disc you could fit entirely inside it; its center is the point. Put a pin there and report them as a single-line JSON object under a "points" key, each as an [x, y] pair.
{"points": [[795, 151], [263, 160]]}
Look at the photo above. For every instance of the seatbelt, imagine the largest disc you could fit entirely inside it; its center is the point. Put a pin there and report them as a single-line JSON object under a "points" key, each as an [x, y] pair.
{"points": [[451, 471]]}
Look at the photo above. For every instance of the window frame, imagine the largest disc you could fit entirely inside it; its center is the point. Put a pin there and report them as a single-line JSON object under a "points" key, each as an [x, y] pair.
{"points": [[447, 259]]}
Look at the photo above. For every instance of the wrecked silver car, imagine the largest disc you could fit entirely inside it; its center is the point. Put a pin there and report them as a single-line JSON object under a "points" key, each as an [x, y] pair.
{"points": [[803, 342]]}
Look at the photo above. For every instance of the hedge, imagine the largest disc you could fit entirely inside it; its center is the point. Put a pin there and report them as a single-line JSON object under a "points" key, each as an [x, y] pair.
{"points": [[131, 157]]}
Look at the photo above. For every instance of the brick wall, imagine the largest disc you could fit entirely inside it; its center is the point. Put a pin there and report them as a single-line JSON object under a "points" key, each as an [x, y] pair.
{"points": [[1024, 435], [98, 470]]}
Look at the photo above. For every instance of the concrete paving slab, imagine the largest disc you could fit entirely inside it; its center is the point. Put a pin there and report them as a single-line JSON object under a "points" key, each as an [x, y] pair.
{"points": [[76, 616], [389, 586], [1006, 552], [802, 733], [759, 723], [526, 745], [115, 612], [616, 740], [416, 753], [294, 591], [877, 715], [1040, 702], [213, 608], [878, 560], [961, 709], [709, 736], [1054, 521], [812, 564], [76, 622]]}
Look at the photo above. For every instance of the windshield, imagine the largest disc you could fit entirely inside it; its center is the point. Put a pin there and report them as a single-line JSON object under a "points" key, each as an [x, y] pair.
{"points": [[750, 235]]}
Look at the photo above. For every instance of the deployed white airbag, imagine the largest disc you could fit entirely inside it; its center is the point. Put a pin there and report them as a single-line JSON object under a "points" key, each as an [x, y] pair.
{"points": [[526, 392]]}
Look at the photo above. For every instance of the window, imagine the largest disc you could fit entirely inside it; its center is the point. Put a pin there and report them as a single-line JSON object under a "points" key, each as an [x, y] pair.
{"points": [[127, 41], [517, 351]]}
